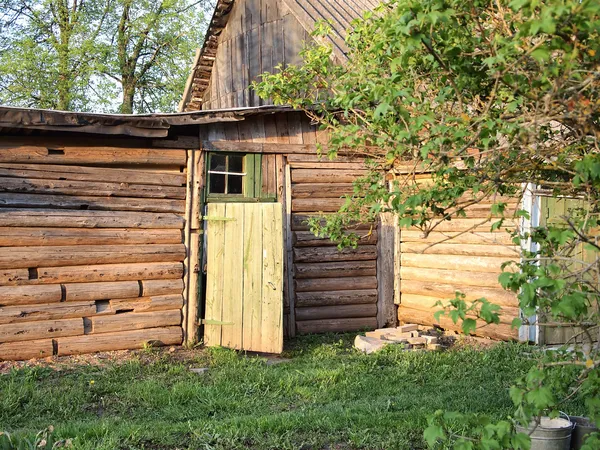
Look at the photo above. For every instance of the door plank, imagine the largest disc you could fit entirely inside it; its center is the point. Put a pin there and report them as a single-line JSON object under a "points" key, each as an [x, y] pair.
{"points": [[215, 275]]}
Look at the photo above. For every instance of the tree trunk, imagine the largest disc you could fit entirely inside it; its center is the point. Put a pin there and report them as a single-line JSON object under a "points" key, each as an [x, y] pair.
{"points": [[128, 94]]}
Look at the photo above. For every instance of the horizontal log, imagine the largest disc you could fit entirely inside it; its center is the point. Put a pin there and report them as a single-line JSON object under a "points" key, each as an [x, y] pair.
{"points": [[27, 295], [321, 190], [17, 351], [259, 147], [89, 188], [119, 341], [317, 204], [327, 165], [29, 331], [336, 284], [479, 224], [22, 257], [467, 263], [480, 237], [25, 237], [336, 312], [12, 200], [147, 304], [90, 156], [482, 279], [501, 332], [308, 239], [77, 292], [336, 325], [331, 298], [83, 173], [87, 219], [134, 321], [110, 272], [442, 290], [326, 175], [329, 254], [53, 311], [151, 288], [13, 276], [335, 269], [299, 223], [508, 252], [323, 158], [426, 303]]}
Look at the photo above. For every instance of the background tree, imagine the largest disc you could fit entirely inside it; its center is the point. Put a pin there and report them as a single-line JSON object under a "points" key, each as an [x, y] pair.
{"points": [[48, 51], [485, 96], [108, 55]]}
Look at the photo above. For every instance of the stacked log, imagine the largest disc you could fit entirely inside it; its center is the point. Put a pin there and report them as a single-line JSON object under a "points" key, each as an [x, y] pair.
{"points": [[334, 290], [462, 255], [91, 248]]}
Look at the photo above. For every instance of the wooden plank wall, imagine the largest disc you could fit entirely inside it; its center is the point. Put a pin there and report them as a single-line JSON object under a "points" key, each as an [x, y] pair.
{"points": [[331, 290], [470, 263], [91, 247], [260, 34]]}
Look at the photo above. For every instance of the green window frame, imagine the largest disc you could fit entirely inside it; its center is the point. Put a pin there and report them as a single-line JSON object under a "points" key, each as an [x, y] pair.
{"points": [[234, 177]]}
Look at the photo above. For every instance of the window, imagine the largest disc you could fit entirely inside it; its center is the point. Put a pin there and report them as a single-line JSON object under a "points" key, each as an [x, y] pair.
{"points": [[226, 174], [235, 177]]}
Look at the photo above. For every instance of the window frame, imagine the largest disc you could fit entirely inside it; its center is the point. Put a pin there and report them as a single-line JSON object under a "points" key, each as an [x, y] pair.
{"points": [[251, 181]]}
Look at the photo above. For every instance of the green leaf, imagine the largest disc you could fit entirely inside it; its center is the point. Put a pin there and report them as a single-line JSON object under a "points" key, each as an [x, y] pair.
{"points": [[469, 326], [516, 323], [433, 433], [540, 54]]}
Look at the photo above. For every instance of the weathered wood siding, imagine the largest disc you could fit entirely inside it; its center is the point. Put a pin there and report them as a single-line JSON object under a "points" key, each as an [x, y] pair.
{"points": [[91, 247], [319, 278], [434, 268], [260, 35]]}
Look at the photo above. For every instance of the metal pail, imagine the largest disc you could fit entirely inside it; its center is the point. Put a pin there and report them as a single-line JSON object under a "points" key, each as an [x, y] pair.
{"points": [[550, 434]]}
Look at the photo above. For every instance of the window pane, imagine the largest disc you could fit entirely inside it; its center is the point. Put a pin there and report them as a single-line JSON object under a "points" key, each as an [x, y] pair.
{"points": [[236, 163], [235, 184], [217, 184], [217, 162]]}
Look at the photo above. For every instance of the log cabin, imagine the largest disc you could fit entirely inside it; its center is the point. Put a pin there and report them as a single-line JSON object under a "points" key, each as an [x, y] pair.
{"points": [[119, 231]]}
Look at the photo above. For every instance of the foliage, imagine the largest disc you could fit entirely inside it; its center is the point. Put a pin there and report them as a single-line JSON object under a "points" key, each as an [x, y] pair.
{"points": [[107, 55], [329, 395], [484, 97]]}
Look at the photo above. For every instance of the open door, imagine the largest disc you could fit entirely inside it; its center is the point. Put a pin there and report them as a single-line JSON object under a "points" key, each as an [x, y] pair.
{"points": [[244, 276]]}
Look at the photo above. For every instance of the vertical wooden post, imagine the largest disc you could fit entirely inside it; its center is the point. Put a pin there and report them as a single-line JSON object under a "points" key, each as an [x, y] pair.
{"points": [[289, 256], [386, 310], [192, 233]]}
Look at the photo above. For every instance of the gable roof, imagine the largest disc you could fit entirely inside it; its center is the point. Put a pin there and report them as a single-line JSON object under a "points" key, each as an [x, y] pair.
{"points": [[339, 13]]}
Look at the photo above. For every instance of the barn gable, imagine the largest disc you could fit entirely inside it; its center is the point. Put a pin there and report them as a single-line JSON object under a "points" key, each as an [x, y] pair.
{"points": [[250, 37]]}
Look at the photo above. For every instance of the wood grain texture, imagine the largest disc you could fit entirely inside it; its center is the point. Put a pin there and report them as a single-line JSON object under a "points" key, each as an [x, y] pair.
{"points": [[335, 269], [15, 351], [356, 297], [450, 276], [119, 341], [321, 254], [53, 311], [336, 325], [29, 331], [10, 217], [336, 312], [31, 236], [134, 321], [27, 295], [23, 257], [336, 284]]}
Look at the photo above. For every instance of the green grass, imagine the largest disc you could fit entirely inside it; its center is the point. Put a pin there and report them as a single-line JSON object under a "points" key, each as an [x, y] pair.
{"points": [[328, 396]]}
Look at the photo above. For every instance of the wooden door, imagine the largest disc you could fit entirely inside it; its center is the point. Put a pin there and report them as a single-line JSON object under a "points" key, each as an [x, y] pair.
{"points": [[244, 276]]}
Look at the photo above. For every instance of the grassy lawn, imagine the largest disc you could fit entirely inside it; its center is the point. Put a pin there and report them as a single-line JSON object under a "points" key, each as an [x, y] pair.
{"points": [[328, 396]]}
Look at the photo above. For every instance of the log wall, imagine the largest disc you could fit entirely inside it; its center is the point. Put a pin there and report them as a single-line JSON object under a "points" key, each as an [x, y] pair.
{"points": [[91, 247], [435, 267]]}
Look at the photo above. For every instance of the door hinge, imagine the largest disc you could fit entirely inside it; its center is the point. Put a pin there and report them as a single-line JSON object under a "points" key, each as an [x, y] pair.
{"points": [[213, 322], [216, 218]]}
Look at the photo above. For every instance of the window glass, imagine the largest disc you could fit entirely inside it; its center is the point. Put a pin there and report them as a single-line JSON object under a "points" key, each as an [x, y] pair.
{"points": [[217, 184], [235, 184], [218, 163], [236, 163]]}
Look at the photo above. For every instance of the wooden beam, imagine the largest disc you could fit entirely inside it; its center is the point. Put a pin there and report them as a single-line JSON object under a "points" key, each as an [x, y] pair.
{"points": [[259, 147], [386, 310]]}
